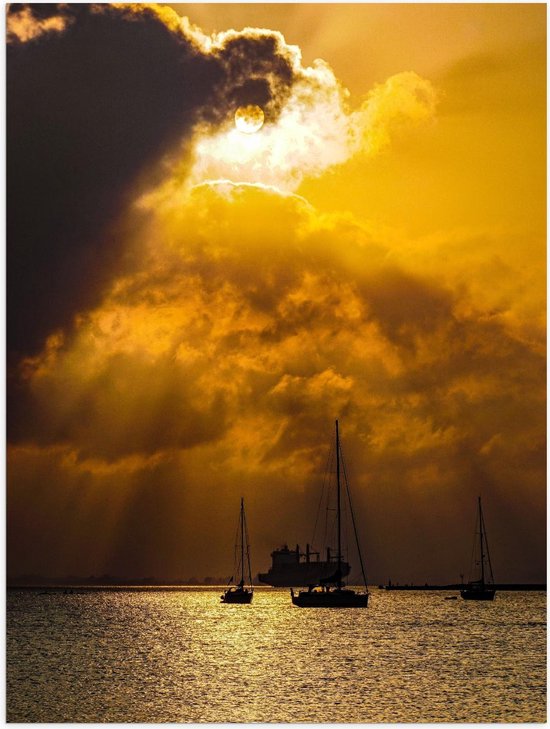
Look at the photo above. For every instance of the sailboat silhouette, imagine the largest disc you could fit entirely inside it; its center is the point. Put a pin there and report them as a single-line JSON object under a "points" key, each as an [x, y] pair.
{"points": [[331, 592], [482, 588], [240, 594]]}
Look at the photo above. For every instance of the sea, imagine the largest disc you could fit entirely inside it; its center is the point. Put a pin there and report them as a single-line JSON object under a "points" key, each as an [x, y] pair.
{"points": [[179, 655]]}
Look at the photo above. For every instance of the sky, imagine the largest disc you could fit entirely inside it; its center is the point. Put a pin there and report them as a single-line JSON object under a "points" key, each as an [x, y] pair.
{"points": [[191, 306]]}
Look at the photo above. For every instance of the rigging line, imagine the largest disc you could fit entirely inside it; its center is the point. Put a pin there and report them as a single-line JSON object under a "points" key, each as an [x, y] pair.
{"points": [[473, 573], [345, 547], [345, 530], [331, 529], [247, 549], [487, 548], [348, 491], [326, 484], [321, 498], [236, 548], [481, 556], [345, 521]]}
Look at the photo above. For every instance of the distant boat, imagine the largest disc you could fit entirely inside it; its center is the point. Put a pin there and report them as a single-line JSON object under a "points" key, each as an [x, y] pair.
{"points": [[239, 594], [331, 591], [482, 588]]}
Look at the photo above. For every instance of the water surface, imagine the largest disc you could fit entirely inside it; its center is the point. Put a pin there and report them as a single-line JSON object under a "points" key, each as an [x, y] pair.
{"points": [[181, 656]]}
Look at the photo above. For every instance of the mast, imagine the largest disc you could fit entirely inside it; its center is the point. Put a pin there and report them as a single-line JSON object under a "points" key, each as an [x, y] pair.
{"points": [[481, 541], [339, 572]]}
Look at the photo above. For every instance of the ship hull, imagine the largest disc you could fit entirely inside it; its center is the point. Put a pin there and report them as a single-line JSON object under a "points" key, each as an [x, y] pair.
{"points": [[332, 599], [302, 575], [237, 597], [477, 594]]}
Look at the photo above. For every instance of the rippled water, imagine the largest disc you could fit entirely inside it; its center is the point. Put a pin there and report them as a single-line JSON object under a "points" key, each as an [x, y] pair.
{"points": [[181, 656]]}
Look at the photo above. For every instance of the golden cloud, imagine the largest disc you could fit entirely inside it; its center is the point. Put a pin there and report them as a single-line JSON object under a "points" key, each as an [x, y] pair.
{"points": [[24, 26], [252, 322], [249, 301]]}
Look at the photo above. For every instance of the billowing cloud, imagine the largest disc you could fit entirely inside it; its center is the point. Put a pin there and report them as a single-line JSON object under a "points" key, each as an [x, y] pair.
{"points": [[237, 343]]}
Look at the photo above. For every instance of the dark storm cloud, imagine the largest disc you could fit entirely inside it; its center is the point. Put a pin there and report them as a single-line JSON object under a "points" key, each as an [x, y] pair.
{"points": [[258, 70], [96, 95]]}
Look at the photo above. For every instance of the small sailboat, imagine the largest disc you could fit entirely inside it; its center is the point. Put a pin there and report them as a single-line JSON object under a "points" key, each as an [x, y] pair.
{"points": [[331, 591], [239, 594], [482, 588]]}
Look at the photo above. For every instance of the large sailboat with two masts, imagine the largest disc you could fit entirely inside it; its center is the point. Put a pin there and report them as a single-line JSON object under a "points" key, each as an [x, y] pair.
{"points": [[332, 591]]}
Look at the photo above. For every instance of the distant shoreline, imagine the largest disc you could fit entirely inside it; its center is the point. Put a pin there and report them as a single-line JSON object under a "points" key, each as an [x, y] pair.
{"points": [[71, 587], [522, 587]]}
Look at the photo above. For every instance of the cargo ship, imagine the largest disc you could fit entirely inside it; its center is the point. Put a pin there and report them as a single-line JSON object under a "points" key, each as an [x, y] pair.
{"points": [[293, 568]]}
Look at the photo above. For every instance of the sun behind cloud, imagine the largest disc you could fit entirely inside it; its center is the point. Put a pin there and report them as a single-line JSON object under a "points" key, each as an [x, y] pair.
{"points": [[249, 119], [315, 130]]}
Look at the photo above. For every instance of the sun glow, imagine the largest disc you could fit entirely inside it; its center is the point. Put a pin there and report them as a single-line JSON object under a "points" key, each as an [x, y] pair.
{"points": [[249, 119], [305, 139], [314, 131]]}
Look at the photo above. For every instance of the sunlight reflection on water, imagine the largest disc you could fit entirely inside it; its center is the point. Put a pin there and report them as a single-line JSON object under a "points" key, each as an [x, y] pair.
{"points": [[181, 656]]}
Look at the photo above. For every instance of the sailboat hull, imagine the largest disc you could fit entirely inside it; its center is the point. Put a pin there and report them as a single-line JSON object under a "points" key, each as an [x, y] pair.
{"points": [[477, 594], [331, 599], [237, 597]]}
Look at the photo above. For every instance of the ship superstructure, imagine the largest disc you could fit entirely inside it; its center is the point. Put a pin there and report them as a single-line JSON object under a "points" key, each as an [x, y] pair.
{"points": [[294, 568]]}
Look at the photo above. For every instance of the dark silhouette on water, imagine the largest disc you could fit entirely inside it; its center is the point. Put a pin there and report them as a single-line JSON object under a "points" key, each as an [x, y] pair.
{"points": [[483, 588], [240, 594], [294, 568], [331, 592]]}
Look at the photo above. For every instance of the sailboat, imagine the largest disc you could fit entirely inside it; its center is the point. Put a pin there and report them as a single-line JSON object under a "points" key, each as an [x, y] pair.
{"points": [[481, 589], [239, 594], [331, 591]]}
